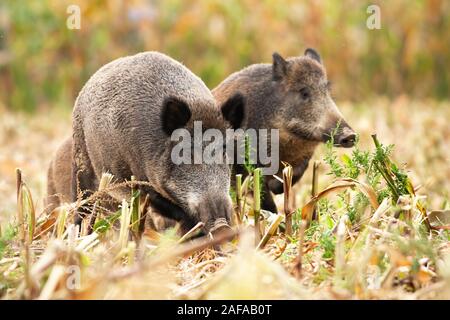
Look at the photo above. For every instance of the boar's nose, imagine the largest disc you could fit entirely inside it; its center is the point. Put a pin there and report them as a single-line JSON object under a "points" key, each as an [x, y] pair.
{"points": [[220, 226], [215, 212], [346, 139]]}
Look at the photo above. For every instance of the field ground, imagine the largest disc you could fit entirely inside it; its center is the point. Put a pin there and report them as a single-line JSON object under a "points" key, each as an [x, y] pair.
{"points": [[421, 135], [419, 131]]}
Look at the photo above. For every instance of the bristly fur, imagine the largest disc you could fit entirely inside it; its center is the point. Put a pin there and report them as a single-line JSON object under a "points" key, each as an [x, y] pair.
{"points": [[276, 98], [122, 121]]}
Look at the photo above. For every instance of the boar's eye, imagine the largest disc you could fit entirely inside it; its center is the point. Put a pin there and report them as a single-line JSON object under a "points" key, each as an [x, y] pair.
{"points": [[305, 93]]}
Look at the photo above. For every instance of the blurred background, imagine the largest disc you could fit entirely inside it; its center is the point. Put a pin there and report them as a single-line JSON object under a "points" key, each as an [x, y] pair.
{"points": [[43, 64], [394, 81]]}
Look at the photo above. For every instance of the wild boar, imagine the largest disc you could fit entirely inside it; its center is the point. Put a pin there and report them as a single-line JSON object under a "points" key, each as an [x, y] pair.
{"points": [[123, 120], [293, 96]]}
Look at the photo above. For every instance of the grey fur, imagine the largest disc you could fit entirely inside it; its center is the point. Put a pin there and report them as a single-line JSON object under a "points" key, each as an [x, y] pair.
{"points": [[117, 128]]}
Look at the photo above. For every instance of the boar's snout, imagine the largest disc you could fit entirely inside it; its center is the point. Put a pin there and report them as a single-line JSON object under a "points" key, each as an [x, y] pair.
{"points": [[345, 138], [216, 215], [219, 226]]}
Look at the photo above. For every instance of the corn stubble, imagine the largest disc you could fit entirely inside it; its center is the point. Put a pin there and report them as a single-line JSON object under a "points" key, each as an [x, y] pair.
{"points": [[368, 235]]}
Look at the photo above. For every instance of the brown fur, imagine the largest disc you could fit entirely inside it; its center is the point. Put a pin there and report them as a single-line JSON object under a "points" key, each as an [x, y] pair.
{"points": [[59, 176], [292, 96]]}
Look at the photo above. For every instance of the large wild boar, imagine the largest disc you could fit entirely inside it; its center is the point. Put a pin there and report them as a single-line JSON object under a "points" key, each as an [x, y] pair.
{"points": [[123, 120], [293, 96]]}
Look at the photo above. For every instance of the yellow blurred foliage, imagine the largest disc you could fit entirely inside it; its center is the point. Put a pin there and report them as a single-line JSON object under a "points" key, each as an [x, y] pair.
{"points": [[44, 64]]}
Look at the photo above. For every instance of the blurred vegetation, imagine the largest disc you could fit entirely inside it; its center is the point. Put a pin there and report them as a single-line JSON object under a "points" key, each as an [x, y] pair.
{"points": [[43, 64]]}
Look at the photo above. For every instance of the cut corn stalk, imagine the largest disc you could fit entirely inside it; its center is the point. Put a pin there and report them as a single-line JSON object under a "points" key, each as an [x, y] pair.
{"points": [[381, 210], [144, 208], [52, 253], [239, 198], [340, 249], [124, 225], [245, 189], [299, 259], [72, 236], [20, 213], [315, 186], [87, 242], [131, 252], [61, 222], [135, 214], [56, 275], [105, 182], [271, 231], [287, 188], [257, 203], [26, 213]]}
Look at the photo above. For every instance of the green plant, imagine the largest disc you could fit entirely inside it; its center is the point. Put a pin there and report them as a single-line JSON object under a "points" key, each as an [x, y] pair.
{"points": [[327, 244], [9, 233]]}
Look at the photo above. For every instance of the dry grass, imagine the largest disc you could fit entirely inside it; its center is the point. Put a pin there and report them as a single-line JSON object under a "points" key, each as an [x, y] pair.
{"points": [[378, 255]]}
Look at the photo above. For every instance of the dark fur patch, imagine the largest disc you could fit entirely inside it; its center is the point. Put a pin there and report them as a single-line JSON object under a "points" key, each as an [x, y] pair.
{"points": [[279, 66], [175, 115], [233, 110], [169, 209], [313, 54]]}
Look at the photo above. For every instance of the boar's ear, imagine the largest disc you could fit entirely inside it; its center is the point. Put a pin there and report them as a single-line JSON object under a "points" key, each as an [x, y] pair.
{"points": [[175, 115], [233, 110], [311, 53], [279, 66]]}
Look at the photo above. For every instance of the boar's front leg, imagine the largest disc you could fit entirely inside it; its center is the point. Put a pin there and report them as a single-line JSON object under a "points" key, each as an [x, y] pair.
{"points": [[83, 175], [267, 202]]}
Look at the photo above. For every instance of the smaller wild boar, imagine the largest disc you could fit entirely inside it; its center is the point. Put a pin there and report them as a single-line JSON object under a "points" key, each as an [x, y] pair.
{"points": [[293, 96], [123, 120]]}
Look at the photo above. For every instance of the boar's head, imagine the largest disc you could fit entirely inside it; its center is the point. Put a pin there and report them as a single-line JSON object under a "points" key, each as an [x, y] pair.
{"points": [[305, 106], [198, 188]]}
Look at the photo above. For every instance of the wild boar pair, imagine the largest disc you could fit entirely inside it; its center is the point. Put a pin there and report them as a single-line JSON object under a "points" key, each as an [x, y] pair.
{"points": [[124, 117]]}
